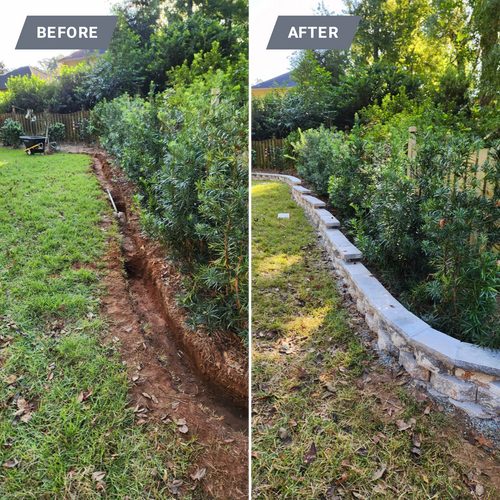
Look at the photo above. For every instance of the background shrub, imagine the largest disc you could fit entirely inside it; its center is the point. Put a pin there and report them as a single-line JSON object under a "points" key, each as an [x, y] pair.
{"points": [[86, 131], [57, 133], [11, 132], [315, 151]]}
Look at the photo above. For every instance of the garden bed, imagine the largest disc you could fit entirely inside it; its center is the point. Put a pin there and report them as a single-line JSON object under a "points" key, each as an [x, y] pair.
{"points": [[217, 360], [329, 419]]}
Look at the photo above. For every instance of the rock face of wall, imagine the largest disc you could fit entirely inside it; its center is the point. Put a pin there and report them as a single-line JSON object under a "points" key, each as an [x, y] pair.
{"points": [[468, 375]]}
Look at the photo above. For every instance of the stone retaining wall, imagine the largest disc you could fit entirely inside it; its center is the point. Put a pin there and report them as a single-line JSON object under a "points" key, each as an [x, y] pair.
{"points": [[468, 375]]}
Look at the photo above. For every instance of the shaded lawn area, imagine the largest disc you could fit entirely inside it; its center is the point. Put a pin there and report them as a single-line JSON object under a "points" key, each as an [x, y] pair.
{"points": [[329, 421], [65, 428]]}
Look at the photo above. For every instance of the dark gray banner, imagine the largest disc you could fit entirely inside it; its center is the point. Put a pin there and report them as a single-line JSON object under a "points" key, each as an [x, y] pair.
{"points": [[313, 32], [67, 32]]}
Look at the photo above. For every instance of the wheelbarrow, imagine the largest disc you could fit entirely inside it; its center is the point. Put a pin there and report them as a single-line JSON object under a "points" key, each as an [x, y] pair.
{"points": [[33, 143]]}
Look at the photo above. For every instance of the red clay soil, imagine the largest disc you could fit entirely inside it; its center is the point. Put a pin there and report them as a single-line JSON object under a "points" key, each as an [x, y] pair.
{"points": [[175, 373]]}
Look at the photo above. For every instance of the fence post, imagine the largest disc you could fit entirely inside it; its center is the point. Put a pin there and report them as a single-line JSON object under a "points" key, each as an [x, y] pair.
{"points": [[215, 101], [412, 142]]}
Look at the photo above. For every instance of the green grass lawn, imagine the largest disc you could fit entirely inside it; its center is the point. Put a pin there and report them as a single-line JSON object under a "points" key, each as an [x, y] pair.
{"points": [[329, 421], [65, 431]]}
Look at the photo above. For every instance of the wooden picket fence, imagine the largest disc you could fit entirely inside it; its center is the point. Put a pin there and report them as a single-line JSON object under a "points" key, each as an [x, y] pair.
{"points": [[260, 158], [37, 127]]}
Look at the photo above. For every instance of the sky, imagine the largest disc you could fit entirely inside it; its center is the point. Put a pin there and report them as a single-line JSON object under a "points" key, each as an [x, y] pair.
{"points": [[266, 64], [13, 15]]}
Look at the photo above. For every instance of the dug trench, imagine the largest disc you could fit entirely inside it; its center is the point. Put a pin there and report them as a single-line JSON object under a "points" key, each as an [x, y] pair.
{"points": [[176, 375]]}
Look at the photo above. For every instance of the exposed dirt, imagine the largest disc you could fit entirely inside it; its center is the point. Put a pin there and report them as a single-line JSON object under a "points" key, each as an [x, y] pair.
{"points": [[176, 373]]}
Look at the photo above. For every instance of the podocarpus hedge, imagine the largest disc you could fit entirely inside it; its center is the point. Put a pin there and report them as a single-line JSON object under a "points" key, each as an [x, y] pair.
{"points": [[186, 150], [433, 234]]}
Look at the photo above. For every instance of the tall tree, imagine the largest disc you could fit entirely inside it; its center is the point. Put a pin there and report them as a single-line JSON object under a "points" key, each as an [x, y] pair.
{"points": [[227, 11], [485, 23], [394, 32], [448, 24], [141, 16], [50, 65], [375, 34]]}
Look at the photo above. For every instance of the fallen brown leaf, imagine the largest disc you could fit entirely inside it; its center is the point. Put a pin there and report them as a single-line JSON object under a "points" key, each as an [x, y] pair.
{"points": [[310, 455], [10, 379], [362, 452], [380, 472], [331, 386], [10, 464], [481, 441], [343, 478], [98, 476], [26, 418], [402, 425], [200, 474], [358, 495], [417, 440]]}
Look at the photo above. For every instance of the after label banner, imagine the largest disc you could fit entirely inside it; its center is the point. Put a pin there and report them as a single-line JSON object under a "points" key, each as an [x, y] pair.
{"points": [[67, 32], [313, 32]]}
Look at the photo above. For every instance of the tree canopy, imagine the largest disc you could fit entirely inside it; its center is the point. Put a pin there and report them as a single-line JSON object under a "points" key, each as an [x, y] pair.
{"points": [[447, 51], [149, 41]]}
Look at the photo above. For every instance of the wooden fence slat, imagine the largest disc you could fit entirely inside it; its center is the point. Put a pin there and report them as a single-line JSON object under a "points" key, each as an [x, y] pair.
{"points": [[260, 148], [70, 121]]}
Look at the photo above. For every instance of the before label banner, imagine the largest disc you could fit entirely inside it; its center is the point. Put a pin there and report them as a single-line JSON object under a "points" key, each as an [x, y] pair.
{"points": [[313, 32], [67, 32]]}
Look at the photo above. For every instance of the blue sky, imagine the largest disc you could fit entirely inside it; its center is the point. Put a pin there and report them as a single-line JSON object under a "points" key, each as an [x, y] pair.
{"points": [[265, 64]]}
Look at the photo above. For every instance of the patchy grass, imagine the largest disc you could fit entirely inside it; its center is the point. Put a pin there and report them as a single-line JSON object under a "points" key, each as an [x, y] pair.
{"points": [[329, 421], [65, 428]]}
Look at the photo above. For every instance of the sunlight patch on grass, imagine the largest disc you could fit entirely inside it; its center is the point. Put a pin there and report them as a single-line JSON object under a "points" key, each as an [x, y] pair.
{"points": [[305, 326], [262, 187], [276, 264]]}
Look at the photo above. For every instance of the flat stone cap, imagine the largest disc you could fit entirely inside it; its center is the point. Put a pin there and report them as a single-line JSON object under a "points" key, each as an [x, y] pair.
{"points": [[315, 202]]}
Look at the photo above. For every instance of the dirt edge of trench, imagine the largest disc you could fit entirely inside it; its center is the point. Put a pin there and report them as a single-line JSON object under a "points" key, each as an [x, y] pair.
{"points": [[223, 367]]}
